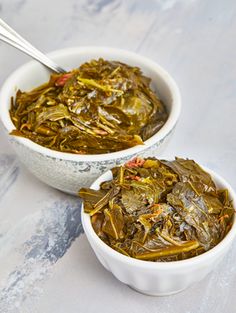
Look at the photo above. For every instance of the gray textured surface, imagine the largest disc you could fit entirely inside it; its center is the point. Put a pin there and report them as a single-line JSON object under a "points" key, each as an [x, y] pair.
{"points": [[43, 269]]}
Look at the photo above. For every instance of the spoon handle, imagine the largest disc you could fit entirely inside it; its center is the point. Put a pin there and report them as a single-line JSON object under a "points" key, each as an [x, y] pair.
{"points": [[11, 37]]}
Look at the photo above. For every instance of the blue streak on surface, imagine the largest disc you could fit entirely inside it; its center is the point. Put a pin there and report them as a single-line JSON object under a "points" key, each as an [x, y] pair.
{"points": [[56, 230], [9, 171], [52, 231]]}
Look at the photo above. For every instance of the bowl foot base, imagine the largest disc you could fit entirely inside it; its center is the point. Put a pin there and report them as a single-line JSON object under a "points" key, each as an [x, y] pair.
{"points": [[156, 294]]}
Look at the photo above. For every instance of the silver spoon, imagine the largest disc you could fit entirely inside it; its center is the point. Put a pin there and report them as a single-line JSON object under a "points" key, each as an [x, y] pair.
{"points": [[10, 36]]}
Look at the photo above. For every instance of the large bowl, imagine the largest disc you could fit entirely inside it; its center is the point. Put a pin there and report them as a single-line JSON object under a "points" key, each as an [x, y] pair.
{"points": [[68, 172], [158, 278]]}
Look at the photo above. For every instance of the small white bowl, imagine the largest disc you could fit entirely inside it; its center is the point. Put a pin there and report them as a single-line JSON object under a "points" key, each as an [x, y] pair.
{"points": [[158, 278], [66, 171]]}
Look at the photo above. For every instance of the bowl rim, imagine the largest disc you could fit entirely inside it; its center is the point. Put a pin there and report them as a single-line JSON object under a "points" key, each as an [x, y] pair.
{"points": [[159, 136], [202, 258]]}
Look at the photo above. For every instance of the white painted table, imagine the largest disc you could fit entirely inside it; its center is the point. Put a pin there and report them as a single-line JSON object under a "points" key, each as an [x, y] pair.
{"points": [[46, 264]]}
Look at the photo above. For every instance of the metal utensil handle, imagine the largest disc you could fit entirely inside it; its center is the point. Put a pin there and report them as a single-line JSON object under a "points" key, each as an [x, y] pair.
{"points": [[11, 37]]}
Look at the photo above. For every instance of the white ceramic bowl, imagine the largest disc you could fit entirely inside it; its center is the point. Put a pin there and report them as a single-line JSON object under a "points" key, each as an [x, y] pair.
{"points": [[68, 172], [158, 278]]}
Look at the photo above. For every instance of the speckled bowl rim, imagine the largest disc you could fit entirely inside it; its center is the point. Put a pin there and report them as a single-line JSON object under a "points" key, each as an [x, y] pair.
{"points": [[194, 261], [5, 94]]}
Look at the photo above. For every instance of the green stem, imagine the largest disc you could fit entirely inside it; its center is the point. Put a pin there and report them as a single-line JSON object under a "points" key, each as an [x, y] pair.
{"points": [[172, 250]]}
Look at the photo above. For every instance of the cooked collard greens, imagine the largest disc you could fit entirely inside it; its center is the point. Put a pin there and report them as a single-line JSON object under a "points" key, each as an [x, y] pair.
{"points": [[101, 107], [158, 210]]}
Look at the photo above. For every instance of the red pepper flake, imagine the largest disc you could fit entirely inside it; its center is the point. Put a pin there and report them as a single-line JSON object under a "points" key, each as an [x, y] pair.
{"points": [[221, 219], [63, 79], [136, 162], [133, 177]]}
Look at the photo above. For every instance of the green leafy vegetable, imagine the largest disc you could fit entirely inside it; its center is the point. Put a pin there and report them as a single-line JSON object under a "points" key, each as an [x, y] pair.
{"points": [[159, 210], [100, 107]]}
